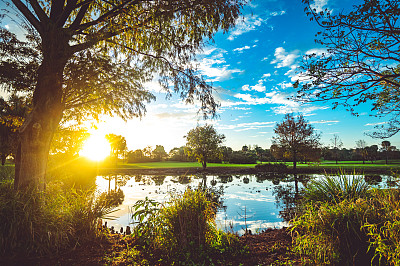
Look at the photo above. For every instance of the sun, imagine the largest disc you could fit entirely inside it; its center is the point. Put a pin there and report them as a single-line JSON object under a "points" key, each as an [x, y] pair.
{"points": [[96, 147]]}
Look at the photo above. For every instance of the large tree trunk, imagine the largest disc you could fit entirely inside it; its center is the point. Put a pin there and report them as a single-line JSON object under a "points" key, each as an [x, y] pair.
{"points": [[39, 126]]}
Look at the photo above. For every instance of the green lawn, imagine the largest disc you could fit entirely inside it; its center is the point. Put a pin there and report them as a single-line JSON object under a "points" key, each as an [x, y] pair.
{"points": [[326, 165], [171, 164]]}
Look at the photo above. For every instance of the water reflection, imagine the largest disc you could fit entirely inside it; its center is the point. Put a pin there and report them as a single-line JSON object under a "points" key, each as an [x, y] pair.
{"points": [[255, 202]]}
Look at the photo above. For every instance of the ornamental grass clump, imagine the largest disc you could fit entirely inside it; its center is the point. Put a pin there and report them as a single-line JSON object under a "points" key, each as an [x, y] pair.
{"points": [[336, 188], [345, 223], [43, 222]]}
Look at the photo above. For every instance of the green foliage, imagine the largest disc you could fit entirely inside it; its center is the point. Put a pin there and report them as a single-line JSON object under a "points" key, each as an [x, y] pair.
{"points": [[182, 229], [347, 224], [204, 144], [296, 138], [243, 157], [34, 222], [336, 188], [384, 237], [332, 234]]}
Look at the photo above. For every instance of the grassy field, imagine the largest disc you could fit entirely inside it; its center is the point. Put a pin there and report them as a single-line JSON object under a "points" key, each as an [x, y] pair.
{"points": [[172, 164], [346, 165]]}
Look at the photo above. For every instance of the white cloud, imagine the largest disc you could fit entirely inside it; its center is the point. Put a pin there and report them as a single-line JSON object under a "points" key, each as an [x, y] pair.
{"points": [[285, 85], [375, 124], [320, 5], [248, 126], [258, 87], [316, 51], [266, 75], [325, 122], [240, 50], [246, 24], [277, 13], [215, 67], [283, 58]]}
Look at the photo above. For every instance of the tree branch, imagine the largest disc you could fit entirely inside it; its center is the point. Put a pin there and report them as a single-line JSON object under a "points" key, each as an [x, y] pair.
{"points": [[28, 15]]}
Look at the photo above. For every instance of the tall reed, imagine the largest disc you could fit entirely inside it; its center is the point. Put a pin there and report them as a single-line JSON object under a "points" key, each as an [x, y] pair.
{"points": [[35, 222]]}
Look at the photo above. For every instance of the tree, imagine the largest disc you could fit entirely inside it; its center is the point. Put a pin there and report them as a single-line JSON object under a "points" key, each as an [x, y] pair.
{"points": [[385, 147], [361, 148], [295, 136], [337, 144], [372, 152], [136, 156], [12, 112], [204, 143], [118, 145], [159, 153], [361, 63], [163, 36]]}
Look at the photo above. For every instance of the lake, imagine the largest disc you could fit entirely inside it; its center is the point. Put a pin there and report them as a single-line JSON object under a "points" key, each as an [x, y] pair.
{"points": [[254, 201]]}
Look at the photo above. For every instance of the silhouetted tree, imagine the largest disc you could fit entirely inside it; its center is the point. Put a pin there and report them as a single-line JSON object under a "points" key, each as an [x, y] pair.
{"points": [[361, 147], [204, 143], [385, 147], [295, 135], [12, 112], [159, 153], [336, 144]]}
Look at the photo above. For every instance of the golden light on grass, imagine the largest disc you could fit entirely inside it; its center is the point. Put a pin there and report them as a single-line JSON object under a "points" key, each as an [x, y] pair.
{"points": [[96, 148]]}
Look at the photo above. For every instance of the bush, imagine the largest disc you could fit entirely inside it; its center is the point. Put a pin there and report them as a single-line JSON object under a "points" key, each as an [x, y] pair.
{"points": [[351, 231], [34, 222], [332, 234], [240, 157], [272, 167], [183, 229], [385, 236]]}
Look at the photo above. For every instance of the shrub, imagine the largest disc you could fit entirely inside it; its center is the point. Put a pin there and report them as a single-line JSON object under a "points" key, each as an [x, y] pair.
{"points": [[272, 167], [242, 157], [34, 222], [385, 236], [351, 231], [182, 229]]}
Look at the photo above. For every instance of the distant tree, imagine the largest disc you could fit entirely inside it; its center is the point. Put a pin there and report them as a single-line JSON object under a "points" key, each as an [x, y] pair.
{"points": [[178, 154], [12, 114], [336, 144], [385, 147], [277, 152], [245, 148], [361, 62], [295, 136], [361, 147], [204, 143], [159, 153], [242, 157], [372, 152], [226, 153], [118, 146], [147, 152], [136, 156]]}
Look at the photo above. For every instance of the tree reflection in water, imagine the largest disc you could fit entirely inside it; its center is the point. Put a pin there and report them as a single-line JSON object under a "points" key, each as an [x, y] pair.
{"points": [[288, 196]]}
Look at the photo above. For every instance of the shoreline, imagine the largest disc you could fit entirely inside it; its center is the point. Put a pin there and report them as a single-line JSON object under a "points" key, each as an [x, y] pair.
{"points": [[241, 171]]}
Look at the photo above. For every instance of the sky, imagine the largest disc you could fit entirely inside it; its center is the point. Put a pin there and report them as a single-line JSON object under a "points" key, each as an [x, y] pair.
{"points": [[252, 68]]}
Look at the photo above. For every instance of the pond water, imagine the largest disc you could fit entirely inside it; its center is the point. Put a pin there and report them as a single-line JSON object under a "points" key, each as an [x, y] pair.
{"points": [[253, 201]]}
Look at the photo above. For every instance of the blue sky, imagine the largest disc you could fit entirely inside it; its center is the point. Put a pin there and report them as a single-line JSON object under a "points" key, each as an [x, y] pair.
{"points": [[252, 68]]}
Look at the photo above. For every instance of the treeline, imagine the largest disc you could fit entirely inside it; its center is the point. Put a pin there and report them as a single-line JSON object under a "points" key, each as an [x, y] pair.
{"points": [[250, 154]]}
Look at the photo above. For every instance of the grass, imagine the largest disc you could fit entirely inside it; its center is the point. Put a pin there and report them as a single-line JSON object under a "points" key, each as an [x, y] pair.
{"points": [[172, 164]]}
